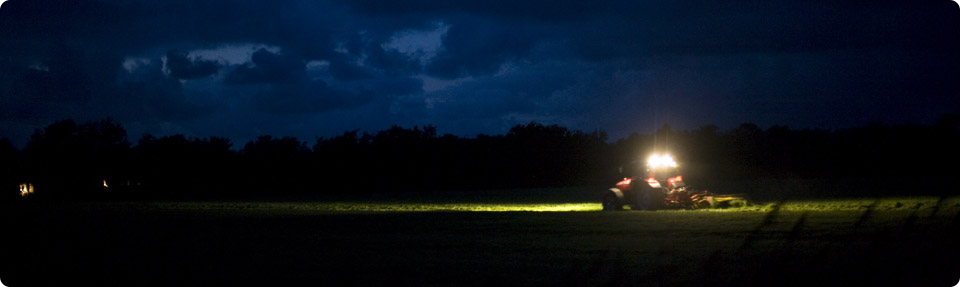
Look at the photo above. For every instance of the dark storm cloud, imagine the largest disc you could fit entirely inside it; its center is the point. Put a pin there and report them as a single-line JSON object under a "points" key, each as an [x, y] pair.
{"points": [[313, 97], [764, 26], [181, 67], [284, 86], [317, 96], [481, 65], [266, 67], [147, 94], [494, 103], [341, 68], [391, 61], [476, 47], [483, 35], [66, 81], [543, 10], [44, 23]]}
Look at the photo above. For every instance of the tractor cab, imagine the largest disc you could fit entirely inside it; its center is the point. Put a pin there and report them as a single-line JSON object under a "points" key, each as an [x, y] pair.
{"points": [[662, 171], [658, 184], [659, 171], [649, 185]]}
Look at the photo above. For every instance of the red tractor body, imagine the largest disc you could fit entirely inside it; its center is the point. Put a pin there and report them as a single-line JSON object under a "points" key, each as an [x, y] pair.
{"points": [[660, 186]]}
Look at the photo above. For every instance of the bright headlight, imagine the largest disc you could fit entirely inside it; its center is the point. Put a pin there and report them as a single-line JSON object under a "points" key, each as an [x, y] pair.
{"points": [[661, 161]]}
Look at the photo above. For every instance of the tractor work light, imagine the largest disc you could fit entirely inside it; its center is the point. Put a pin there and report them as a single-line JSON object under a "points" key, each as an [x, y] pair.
{"points": [[676, 179], [661, 161]]}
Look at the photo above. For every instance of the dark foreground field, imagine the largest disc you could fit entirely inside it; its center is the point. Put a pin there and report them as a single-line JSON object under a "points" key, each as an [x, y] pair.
{"points": [[855, 242]]}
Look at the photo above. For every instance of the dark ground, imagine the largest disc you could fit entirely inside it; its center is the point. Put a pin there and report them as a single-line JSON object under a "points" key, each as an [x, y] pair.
{"points": [[139, 244], [135, 244]]}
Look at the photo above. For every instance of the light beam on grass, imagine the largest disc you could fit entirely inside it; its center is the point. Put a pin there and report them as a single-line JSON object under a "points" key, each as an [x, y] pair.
{"points": [[464, 207], [881, 204], [380, 206]]}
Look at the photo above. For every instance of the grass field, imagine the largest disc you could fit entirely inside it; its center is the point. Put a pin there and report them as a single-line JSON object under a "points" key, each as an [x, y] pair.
{"points": [[481, 239]]}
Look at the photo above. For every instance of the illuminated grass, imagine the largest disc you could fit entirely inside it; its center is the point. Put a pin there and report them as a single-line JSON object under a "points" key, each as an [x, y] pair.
{"points": [[482, 207], [823, 205], [878, 204], [378, 206]]}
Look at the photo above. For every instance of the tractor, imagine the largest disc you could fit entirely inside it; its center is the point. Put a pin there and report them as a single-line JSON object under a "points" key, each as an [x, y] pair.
{"points": [[659, 185]]}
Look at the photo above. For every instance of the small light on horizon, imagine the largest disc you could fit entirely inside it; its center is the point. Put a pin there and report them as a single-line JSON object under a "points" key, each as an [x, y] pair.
{"points": [[26, 189]]}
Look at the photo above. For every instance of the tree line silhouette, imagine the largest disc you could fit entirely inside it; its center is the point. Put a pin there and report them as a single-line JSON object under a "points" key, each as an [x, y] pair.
{"points": [[96, 159]]}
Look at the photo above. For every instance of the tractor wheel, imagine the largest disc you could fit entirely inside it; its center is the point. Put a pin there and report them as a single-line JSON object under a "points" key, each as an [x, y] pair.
{"points": [[658, 198], [643, 200], [650, 199], [612, 202]]}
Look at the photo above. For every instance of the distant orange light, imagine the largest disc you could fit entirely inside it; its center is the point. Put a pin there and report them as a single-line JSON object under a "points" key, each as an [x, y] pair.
{"points": [[26, 189]]}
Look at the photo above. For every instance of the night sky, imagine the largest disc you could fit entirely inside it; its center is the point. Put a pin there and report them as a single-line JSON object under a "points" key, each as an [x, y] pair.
{"points": [[244, 68]]}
